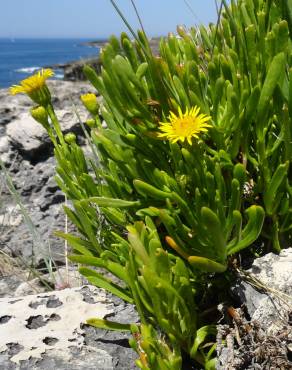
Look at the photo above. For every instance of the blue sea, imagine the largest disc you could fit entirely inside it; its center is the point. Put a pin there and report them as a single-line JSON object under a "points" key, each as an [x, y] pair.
{"points": [[19, 58]]}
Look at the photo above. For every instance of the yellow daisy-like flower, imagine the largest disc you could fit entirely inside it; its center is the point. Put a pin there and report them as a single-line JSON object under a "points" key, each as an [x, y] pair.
{"points": [[90, 102], [185, 126], [35, 87]]}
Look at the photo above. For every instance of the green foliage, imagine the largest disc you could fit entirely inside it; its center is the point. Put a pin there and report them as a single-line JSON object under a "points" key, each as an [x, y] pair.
{"points": [[165, 218]]}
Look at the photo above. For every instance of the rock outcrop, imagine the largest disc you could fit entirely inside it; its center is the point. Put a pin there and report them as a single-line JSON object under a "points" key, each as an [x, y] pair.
{"points": [[74, 71], [28, 156]]}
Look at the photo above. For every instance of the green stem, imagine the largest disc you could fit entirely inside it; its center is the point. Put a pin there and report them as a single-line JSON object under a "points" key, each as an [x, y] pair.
{"points": [[52, 136], [55, 123], [275, 233], [263, 164]]}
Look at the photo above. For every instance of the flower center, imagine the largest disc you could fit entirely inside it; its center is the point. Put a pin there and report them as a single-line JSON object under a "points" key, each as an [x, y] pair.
{"points": [[185, 126]]}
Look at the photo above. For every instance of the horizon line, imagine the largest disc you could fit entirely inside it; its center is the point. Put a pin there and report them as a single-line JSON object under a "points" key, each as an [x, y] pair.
{"points": [[97, 38]]}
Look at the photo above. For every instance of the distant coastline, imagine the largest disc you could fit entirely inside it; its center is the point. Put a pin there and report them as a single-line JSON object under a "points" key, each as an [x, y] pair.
{"points": [[95, 43], [21, 57], [65, 56], [72, 70]]}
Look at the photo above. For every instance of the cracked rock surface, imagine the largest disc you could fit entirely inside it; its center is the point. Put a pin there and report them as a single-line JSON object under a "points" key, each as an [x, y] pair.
{"points": [[270, 306], [48, 331]]}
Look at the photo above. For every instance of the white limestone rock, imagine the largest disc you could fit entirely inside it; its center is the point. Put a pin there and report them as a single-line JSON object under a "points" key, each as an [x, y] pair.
{"points": [[40, 323], [29, 137]]}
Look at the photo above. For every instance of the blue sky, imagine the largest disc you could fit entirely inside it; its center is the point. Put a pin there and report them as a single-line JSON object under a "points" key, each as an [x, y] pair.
{"points": [[97, 18]]}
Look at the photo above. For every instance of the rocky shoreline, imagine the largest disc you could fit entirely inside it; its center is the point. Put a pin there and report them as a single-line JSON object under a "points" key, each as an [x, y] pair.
{"points": [[73, 71]]}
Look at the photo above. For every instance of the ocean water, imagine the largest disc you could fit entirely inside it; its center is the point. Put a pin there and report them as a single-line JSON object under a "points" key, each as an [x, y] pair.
{"points": [[21, 57]]}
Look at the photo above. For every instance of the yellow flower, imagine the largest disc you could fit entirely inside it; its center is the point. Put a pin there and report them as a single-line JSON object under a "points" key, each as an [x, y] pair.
{"points": [[90, 102], [185, 126], [35, 87]]}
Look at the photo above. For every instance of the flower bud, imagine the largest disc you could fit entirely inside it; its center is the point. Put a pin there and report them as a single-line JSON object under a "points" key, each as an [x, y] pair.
{"points": [[70, 138], [90, 123], [40, 114], [181, 31], [90, 102]]}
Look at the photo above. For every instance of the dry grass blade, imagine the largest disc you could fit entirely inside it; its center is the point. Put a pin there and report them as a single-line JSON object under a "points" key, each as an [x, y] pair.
{"points": [[259, 285], [38, 243], [192, 11]]}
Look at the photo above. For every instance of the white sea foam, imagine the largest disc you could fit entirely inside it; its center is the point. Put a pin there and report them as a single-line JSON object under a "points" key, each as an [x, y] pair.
{"points": [[27, 69], [30, 70]]}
